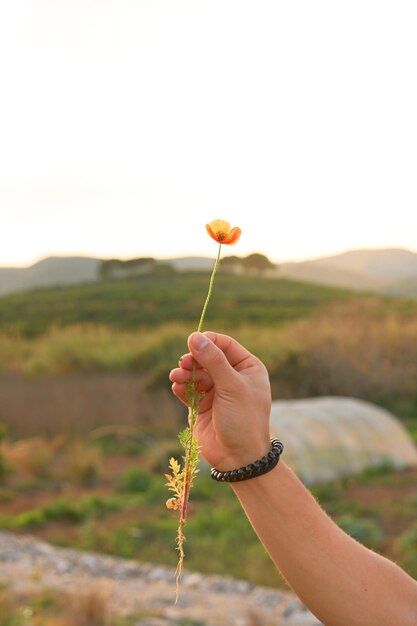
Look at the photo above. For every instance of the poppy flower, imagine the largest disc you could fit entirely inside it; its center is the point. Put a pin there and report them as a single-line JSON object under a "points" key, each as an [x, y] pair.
{"points": [[222, 232]]}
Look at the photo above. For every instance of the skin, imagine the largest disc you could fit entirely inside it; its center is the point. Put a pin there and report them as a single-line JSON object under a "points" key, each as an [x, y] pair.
{"points": [[341, 581]]}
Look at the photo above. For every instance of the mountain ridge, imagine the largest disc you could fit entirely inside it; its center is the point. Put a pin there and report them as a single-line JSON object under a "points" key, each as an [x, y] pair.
{"points": [[384, 270]]}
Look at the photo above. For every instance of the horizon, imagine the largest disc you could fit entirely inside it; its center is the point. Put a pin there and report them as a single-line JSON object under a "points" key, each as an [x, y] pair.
{"points": [[177, 256]]}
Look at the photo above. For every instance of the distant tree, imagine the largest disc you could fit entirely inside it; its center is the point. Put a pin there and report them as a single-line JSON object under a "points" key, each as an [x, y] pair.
{"points": [[230, 261], [252, 263], [257, 262], [115, 268]]}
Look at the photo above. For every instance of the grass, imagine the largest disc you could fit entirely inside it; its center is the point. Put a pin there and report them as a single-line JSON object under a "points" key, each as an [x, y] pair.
{"points": [[154, 300], [88, 376], [123, 514], [57, 608], [87, 368]]}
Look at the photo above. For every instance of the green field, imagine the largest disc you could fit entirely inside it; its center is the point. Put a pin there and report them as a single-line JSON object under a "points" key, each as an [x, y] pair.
{"points": [[314, 340], [164, 298], [77, 360]]}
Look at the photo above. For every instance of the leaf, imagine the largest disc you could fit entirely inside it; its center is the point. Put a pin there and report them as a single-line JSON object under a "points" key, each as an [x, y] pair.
{"points": [[175, 466]]}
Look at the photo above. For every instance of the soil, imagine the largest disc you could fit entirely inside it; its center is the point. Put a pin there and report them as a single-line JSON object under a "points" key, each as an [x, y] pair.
{"points": [[31, 566]]}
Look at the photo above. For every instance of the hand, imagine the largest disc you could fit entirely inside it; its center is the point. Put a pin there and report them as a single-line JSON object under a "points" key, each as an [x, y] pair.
{"points": [[233, 423]]}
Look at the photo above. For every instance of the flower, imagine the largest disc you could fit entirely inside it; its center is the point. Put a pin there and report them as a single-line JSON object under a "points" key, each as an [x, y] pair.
{"points": [[222, 232], [173, 503]]}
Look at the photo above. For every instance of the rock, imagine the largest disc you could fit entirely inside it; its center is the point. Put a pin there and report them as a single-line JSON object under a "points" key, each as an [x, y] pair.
{"points": [[267, 598], [301, 618], [131, 587]]}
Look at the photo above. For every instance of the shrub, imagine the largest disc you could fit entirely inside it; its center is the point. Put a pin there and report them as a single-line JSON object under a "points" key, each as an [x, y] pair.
{"points": [[135, 480], [406, 547], [4, 467], [364, 530], [3, 431], [34, 455], [83, 463]]}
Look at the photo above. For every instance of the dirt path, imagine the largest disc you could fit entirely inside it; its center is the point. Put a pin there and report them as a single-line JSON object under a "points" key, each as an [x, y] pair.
{"points": [[30, 565]]}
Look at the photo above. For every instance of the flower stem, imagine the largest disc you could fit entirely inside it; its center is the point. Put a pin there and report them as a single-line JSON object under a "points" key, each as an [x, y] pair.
{"points": [[210, 289], [193, 409]]}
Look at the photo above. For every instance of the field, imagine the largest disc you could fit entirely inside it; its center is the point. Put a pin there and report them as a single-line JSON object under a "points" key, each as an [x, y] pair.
{"points": [[163, 298], [88, 421]]}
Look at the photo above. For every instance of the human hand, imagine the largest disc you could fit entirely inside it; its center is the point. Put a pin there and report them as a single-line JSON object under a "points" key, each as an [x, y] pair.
{"points": [[233, 423]]}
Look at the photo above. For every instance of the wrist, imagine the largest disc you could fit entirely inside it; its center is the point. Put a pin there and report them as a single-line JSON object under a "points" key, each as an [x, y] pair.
{"points": [[240, 458], [254, 469]]}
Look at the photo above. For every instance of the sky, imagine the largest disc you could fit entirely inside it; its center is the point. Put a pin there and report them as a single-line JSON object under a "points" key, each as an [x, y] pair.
{"points": [[127, 125]]}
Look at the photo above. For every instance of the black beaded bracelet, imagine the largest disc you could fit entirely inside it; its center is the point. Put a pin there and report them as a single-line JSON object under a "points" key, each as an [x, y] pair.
{"points": [[252, 470]]}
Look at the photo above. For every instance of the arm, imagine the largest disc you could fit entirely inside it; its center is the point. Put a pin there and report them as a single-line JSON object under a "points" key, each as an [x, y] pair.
{"points": [[339, 580]]}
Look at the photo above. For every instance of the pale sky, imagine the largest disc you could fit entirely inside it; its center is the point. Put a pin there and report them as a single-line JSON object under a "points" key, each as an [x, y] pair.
{"points": [[126, 125]]}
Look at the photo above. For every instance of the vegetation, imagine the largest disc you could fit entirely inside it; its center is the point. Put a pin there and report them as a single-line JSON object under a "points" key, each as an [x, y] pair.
{"points": [[115, 268], [122, 513], [55, 608], [158, 298], [256, 262], [90, 424]]}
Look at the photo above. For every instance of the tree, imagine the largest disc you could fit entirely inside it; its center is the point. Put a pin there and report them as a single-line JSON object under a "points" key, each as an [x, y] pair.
{"points": [[257, 262]]}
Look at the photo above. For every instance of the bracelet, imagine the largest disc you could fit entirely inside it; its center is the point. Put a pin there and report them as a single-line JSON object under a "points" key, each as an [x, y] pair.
{"points": [[252, 470]]}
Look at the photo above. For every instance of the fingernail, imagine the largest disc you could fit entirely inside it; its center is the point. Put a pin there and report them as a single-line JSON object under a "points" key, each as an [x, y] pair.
{"points": [[200, 341], [180, 359]]}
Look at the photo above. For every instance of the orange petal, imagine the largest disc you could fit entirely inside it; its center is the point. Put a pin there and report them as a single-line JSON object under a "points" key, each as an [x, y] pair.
{"points": [[233, 236], [220, 226], [218, 230], [211, 233]]}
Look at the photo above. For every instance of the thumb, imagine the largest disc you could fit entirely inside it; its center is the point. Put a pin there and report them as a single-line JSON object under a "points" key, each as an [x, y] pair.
{"points": [[212, 358]]}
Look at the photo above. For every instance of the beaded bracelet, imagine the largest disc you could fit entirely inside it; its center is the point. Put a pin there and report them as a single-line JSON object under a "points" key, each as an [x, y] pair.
{"points": [[252, 470]]}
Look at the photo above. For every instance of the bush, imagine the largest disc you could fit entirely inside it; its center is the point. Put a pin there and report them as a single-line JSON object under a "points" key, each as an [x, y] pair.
{"points": [[3, 431], [34, 455], [406, 547], [4, 467], [365, 530], [135, 480], [83, 463]]}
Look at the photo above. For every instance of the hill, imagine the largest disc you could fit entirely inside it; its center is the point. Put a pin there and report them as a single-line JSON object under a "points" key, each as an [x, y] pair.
{"points": [[407, 287], [391, 271], [59, 271], [160, 298], [52, 271]]}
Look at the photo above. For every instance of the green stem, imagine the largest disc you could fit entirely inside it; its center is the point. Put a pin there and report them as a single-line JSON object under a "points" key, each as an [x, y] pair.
{"points": [[194, 402], [200, 324], [210, 289]]}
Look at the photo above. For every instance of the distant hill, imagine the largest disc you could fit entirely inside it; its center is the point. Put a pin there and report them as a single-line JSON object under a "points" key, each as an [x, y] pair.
{"points": [[407, 287], [392, 271], [61, 271], [49, 272]]}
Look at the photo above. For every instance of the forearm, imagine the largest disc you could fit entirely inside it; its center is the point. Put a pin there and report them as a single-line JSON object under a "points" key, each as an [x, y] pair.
{"points": [[339, 580]]}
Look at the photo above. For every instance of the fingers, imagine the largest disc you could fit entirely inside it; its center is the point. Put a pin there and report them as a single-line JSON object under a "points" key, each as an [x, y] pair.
{"points": [[183, 376], [180, 390], [187, 362], [212, 357], [235, 353]]}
